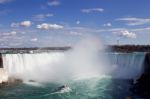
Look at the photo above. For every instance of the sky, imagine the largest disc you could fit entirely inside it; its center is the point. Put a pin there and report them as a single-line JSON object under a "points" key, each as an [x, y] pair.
{"points": [[45, 23]]}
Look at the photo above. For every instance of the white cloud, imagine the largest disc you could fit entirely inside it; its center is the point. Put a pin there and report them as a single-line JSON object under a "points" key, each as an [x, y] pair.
{"points": [[135, 21], [34, 40], [126, 34], [107, 25], [90, 10], [25, 23], [78, 22], [4, 1], [54, 3], [42, 17], [47, 26]]}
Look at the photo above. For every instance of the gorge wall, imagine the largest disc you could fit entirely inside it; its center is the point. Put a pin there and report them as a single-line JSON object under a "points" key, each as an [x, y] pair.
{"points": [[1, 61]]}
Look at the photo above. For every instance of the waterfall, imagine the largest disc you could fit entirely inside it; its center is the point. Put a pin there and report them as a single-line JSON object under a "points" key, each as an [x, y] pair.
{"points": [[127, 65], [52, 66], [31, 66]]}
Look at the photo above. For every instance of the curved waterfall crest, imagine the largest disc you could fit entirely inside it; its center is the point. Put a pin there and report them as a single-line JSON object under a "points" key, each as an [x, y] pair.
{"points": [[53, 65]]}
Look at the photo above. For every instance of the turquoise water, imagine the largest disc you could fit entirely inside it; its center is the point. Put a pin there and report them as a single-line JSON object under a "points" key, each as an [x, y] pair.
{"points": [[104, 88]]}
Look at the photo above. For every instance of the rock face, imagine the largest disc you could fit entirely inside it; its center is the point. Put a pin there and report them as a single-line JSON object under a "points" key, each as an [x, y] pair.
{"points": [[3, 76], [142, 87], [1, 61], [147, 64]]}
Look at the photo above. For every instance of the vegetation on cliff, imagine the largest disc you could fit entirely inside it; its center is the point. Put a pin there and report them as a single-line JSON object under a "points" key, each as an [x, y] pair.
{"points": [[130, 48]]}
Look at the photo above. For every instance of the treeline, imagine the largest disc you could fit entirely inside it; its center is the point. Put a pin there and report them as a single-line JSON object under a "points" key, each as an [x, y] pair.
{"points": [[37, 48], [130, 48], [114, 48]]}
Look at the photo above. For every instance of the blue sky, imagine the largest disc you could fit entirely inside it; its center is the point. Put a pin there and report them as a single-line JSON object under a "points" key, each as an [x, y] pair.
{"points": [[30, 23]]}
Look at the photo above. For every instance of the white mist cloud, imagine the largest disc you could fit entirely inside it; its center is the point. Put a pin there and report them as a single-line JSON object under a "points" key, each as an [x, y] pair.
{"points": [[83, 58], [47, 26], [80, 62], [135, 21], [90, 10]]}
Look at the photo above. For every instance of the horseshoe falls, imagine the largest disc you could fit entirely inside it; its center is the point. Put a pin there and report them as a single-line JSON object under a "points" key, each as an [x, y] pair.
{"points": [[90, 76]]}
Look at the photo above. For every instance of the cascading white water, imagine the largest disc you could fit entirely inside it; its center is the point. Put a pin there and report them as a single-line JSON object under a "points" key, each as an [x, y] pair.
{"points": [[126, 65], [32, 66], [52, 66]]}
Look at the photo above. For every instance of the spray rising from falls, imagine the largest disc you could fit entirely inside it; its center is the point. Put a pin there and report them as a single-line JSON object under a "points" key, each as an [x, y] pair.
{"points": [[86, 60]]}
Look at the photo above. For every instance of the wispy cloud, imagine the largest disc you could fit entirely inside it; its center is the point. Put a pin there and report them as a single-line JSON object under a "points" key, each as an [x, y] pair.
{"points": [[135, 21], [142, 29], [4, 1], [47, 26], [42, 17], [34, 40], [54, 3], [12, 33], [90, 10], [75, 33]]}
